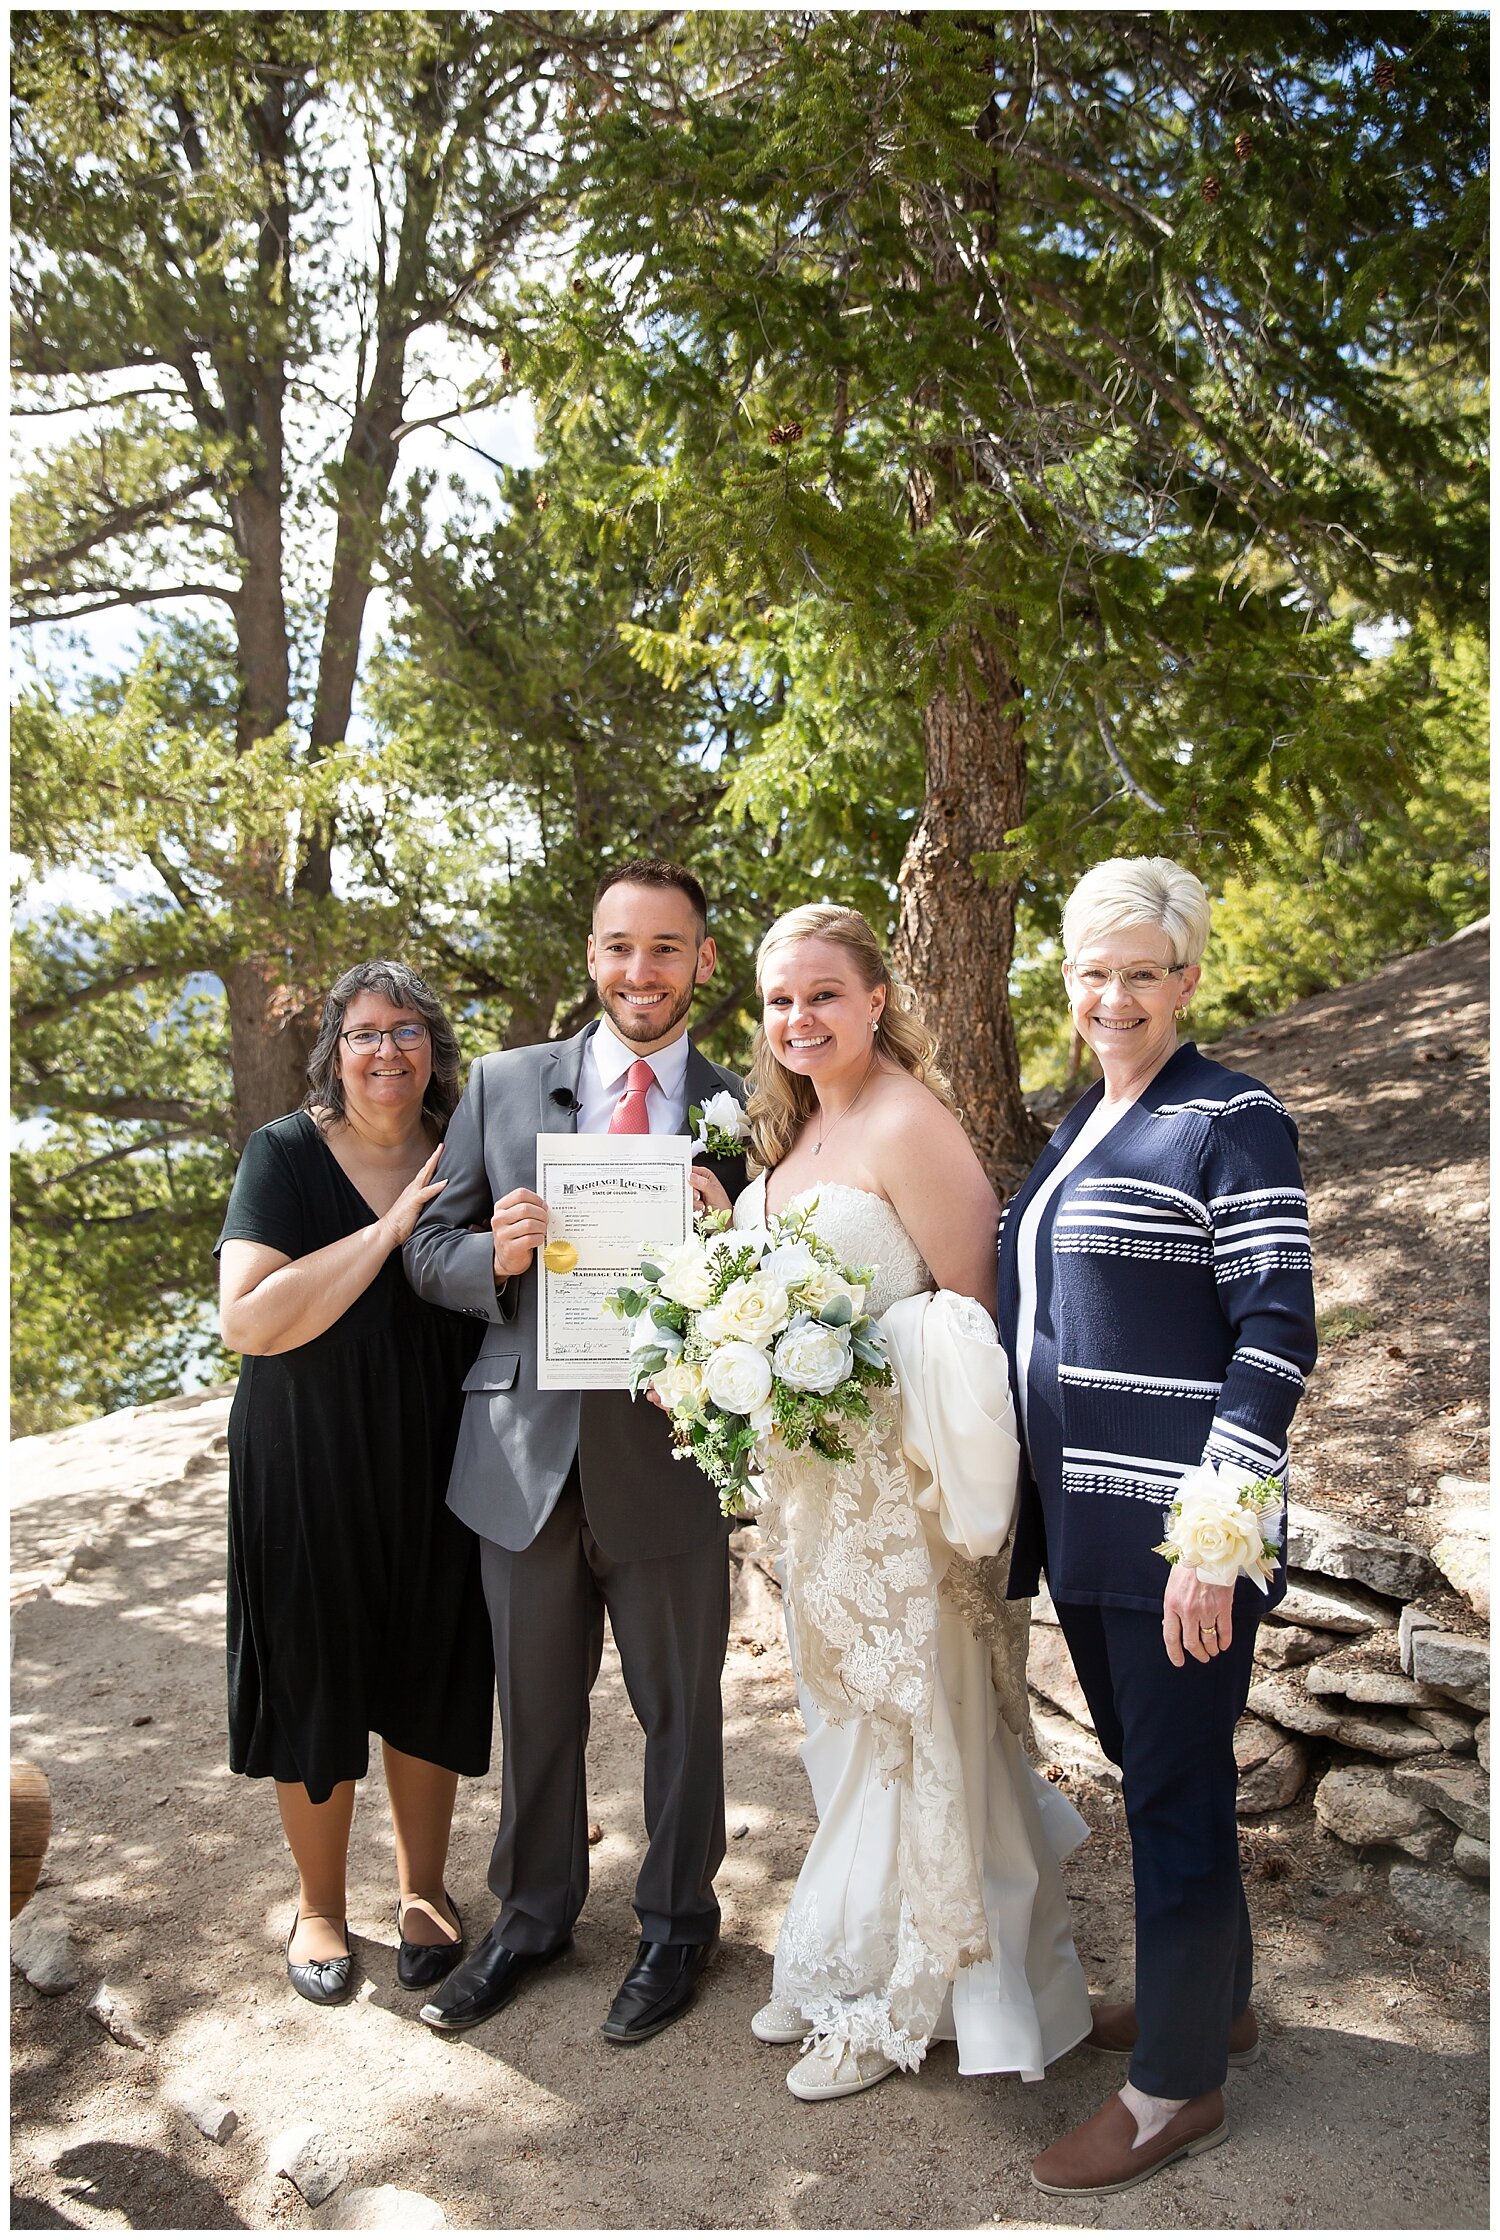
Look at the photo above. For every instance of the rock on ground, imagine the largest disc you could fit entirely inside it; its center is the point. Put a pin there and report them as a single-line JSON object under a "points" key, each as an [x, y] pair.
{"points": [[1359, 1806], [1336, 1549], [1284, 1645], [1337, 1608], [381, 2209], [206, 2112], [1460, 1793], [1049, 1671], [1365, 1679], [41, 1946], [1062, 1741], [1411, 1622], [1464, 1560], [1462, 1553], [110, 2011], [1280, 1698], [1273, 1768], [1482, 1743], [1471, 1857], [1452, 1729], [316, 2164], [1444, 1906], [1458, 1663]]}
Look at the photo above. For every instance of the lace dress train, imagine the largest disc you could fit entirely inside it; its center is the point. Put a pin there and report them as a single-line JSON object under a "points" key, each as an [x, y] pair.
{"points": [[930, 1904]]}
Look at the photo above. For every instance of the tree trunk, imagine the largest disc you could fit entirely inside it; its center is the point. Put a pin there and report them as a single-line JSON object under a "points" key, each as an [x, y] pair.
{"points": [[957, 930], [271, 1027]]}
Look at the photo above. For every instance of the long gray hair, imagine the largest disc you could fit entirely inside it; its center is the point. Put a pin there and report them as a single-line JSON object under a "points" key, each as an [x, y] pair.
{"points": [[400, 986]]}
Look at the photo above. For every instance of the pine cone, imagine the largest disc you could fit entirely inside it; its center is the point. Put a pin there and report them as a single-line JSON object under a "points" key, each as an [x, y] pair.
{"points": [[505, 361], [788, 431], [578, 286], [1211, 190], [1243, 146], [542, 501], [1385, 74]]}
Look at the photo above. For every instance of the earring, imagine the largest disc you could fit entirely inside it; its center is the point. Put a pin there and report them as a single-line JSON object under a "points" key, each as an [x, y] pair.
{"points": [[1182, 1011]]}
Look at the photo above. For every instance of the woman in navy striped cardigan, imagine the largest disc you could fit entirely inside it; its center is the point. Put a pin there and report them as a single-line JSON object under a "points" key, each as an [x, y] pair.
{"points": [[1156, 1302]]}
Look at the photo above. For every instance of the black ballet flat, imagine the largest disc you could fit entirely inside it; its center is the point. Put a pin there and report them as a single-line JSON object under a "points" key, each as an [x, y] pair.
{"points": [[418, 1965], [325, 1983]]}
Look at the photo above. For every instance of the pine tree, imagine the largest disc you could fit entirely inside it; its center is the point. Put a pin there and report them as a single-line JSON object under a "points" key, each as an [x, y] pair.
{"points": [[1092, 375]]}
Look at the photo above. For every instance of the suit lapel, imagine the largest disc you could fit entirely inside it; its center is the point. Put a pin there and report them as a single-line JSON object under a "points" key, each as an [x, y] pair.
{"points": [[699, 1082], [558, 1079]]}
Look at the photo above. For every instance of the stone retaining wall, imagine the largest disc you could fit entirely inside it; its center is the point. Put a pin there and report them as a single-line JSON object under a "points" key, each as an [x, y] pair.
{"points": [[1361, 1694]]}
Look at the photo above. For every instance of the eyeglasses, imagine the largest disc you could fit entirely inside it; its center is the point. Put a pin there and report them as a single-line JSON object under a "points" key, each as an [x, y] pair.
{"points": [[1137, 977], [409, 1036]]}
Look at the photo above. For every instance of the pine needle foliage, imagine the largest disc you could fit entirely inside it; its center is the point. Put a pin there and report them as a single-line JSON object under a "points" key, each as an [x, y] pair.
{"points": [[1148, 348]]}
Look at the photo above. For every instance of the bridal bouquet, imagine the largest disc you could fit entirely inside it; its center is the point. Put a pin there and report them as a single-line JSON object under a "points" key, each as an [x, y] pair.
{"points": [[1219, 1524], [752, 1338]]}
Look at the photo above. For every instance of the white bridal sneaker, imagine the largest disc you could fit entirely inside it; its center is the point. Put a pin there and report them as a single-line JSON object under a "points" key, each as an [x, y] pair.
{"points": [[778, 2024], [833, 2070]]}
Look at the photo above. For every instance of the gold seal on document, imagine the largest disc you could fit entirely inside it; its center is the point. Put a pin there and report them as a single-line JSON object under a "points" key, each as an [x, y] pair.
{"points": [[560, 1256]]}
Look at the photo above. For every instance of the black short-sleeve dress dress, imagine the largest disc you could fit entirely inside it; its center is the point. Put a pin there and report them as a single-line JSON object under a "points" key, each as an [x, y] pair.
{"points": [[355, 1601]]}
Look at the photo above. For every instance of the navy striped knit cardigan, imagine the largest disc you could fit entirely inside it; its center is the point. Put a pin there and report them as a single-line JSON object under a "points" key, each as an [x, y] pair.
{"points": [[1181, 1297]]}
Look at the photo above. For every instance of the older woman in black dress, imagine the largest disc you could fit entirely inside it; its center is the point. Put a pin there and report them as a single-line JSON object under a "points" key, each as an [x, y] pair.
{"points": [[354, 1597]]}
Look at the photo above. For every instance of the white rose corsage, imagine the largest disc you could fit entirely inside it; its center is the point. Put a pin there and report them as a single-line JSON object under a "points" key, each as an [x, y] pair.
{"points": [[1222, 1524], [720, 1129]]}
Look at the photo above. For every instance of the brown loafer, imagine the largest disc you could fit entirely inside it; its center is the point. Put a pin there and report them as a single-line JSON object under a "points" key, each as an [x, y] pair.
{"points": [[1101, 2156], [1115, 2031]]}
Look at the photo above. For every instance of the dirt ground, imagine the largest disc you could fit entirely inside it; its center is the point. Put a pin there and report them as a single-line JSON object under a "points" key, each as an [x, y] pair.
{"points": [[1368, 2112]]}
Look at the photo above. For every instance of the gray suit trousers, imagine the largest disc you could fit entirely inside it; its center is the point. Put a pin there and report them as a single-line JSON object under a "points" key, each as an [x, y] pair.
{"points": [[670, 1619]]}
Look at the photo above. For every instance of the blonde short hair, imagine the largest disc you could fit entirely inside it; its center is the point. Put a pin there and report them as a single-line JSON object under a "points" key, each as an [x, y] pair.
{"points": [[1136, 891]]}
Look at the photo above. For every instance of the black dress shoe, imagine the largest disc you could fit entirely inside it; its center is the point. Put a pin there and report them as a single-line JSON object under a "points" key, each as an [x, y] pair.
{"points": [[484, 1983], [326, 1983], [662, 1985], [418, 1965]]}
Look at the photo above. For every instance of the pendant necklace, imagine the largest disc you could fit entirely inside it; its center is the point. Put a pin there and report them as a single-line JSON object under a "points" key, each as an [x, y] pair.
{"points": [[849, 1107]]}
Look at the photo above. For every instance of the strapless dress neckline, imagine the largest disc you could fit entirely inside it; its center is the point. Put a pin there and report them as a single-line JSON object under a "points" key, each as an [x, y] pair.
{"points": [[863, 1228]]}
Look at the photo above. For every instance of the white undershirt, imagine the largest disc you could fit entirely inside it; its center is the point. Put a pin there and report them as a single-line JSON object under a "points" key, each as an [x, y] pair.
{"points": [[1100, 1121], [601, 1084]]}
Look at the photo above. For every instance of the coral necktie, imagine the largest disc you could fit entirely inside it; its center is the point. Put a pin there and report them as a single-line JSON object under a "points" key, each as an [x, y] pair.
{"points": [[629, 1117]]}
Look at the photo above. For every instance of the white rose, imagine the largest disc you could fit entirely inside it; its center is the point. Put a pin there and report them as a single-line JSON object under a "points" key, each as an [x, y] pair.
{"points": [[753, 1308], [824, 1285], [722, 1111], [685, 1274], [680, 1390], [738, 1378], [1217, 1531], [790, 1264], [811, 1357], [645, 1332]]}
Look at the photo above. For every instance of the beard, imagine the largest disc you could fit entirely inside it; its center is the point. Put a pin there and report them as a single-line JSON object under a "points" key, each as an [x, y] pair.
{"points": [[631, 1026]]}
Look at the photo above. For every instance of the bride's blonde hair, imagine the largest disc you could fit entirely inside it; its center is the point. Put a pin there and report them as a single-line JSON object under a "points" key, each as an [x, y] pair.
{"points": [[781, 1102]]}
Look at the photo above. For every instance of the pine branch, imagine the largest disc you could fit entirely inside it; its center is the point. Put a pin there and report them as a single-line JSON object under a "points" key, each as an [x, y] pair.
{"points": [[24, 618], [35, 1015], [148, 512], [176, 1111]]}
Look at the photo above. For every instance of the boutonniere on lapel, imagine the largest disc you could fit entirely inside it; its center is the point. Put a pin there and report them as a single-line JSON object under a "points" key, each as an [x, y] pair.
{"points": [[720, 1129]]}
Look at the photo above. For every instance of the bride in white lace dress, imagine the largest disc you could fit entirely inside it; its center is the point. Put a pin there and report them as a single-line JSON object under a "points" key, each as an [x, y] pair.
{"points": [[929, 1904]]}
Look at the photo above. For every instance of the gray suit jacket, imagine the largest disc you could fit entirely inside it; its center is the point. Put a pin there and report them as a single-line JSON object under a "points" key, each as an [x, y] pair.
{"points": [[516, 1445]]}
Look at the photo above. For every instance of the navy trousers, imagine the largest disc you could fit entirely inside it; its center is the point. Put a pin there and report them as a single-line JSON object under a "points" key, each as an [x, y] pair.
{"points": [[1172, 1735]]}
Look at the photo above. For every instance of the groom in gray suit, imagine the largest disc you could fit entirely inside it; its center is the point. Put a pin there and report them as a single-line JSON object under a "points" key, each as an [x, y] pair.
{"points": [[578, 1503]]}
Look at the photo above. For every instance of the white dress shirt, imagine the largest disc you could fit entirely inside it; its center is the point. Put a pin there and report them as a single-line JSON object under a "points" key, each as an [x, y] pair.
{"points": [[602, 1083]]}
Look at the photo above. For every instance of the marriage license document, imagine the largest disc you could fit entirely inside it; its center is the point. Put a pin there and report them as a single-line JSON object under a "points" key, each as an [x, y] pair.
{"points": [[611, 1199]]}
